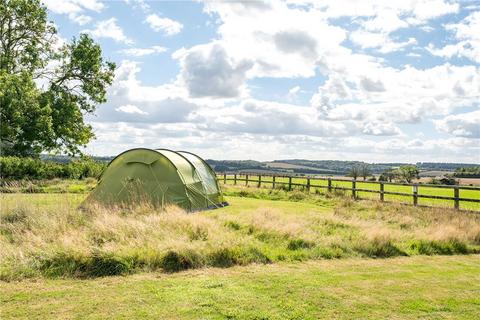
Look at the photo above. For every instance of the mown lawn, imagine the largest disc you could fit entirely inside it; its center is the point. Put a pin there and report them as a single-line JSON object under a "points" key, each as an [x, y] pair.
{"points": [[441, 287]]}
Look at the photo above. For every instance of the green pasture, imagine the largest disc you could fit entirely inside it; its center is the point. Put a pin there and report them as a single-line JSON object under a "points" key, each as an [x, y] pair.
{"points": [[266, 182]]}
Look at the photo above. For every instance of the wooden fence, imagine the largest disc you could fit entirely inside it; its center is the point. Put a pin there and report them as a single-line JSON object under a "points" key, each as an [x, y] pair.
{"points": [[288, 183]]}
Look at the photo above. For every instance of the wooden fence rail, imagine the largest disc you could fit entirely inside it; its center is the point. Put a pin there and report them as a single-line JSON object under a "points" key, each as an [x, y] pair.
{"points": [[261, 179]]}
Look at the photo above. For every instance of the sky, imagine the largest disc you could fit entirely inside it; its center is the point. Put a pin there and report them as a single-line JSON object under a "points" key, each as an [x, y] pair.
{"points": [[376, 81]]}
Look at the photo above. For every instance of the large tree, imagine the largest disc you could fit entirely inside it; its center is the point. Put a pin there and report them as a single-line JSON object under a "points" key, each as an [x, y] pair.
{"points": [[46, 88]]}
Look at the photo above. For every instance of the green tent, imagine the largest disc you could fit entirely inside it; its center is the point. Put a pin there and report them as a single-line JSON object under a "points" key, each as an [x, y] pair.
{"points": [[159, 177]]}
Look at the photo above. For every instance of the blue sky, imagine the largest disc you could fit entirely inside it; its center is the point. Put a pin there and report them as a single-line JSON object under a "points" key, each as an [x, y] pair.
{"points": [[349, 80]]}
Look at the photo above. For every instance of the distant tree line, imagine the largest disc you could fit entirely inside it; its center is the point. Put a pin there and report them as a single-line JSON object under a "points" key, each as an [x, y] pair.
{"points": [[235, 165], [467, 172], [389, 171], [433, 166]]}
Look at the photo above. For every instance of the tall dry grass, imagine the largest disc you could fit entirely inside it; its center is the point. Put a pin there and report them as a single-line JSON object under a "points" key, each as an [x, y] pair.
{"points": [[56, 239]]}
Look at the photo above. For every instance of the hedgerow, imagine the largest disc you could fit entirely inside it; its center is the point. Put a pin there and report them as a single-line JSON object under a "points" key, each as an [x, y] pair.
{"points": [[16, 168]]}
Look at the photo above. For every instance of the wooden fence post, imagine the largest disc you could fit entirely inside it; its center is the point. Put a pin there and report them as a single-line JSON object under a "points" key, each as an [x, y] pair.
{"points": [[259, 180], [246, 179], [353, 189], [235, 178], [329, 184], [224, 178], [415, 194], [289, 183], [308, 184], [456, 195], [273, 183], [381, 191]]}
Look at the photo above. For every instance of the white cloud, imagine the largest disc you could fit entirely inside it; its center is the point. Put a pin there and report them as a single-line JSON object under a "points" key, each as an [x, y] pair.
{"points": [[165, 25], [129, 101], [109, 29], [280, 41], [414, 55], [207, 71], [298, 42], [80, 19], [408, 95], [430, 9], [334, 89], [371, 85], [387, 22], [130, 108], [381, 129], [73, 6], [140, 52], [380, 41], [427, 28], [461, 125], [139, 3], [468, 35], [74, 9], [415, 11], [293, 93], [378, 19]]}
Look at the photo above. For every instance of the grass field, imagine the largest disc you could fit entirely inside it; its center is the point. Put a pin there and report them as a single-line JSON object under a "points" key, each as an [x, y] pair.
{"points": [[422, 190], [440, 287], [46, 235], [271, 254]]}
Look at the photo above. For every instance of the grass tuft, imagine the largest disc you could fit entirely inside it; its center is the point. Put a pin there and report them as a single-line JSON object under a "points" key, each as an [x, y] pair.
{"points": [[71, 264], [174, 261], [295, 244], [16, 215], [441, 247], [379, 249]]}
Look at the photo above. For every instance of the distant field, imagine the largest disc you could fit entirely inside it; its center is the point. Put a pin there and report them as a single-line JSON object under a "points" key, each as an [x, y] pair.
{"points": [[422, 190], [283, 165], [432, 173]]}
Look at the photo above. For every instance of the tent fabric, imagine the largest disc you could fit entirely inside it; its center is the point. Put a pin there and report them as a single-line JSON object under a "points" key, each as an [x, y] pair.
{"points": [[160, 177]]}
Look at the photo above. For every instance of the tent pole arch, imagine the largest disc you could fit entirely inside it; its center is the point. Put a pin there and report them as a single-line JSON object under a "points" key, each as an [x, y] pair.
{"points": [[205, 195], [208, 166], [134, 149], [180, 173]]}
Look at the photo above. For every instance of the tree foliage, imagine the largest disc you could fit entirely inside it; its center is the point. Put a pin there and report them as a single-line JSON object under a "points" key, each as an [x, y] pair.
{"points": [[15, 168], [408, 173], [364, 171], [467, 172], [404, 173], [388, 175], [46, 88], [354, 172]]}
